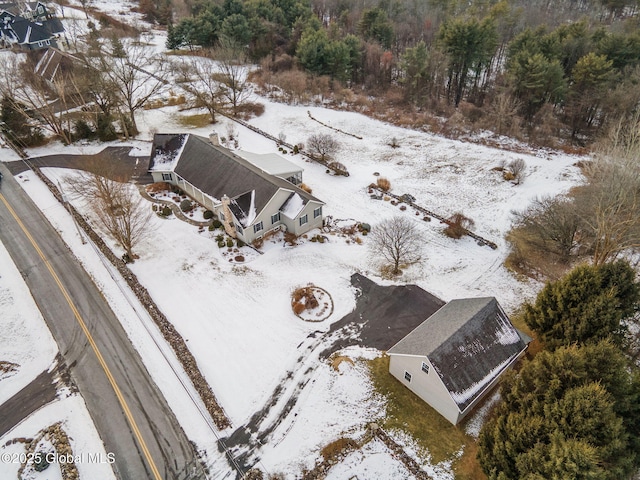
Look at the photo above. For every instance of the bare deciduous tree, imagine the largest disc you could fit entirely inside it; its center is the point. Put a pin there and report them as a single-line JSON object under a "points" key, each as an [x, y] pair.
{"points": [[37, 100], [613, 196], [323, 144], [551, 224], [233, 73], [201, 79], [517, 169], [132, 73], [120, 210], [397, 241], [503, 114]]}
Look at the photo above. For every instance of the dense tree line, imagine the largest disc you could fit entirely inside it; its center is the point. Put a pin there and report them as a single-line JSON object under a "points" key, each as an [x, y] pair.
{"points": [[573, 411], [574, 60]]}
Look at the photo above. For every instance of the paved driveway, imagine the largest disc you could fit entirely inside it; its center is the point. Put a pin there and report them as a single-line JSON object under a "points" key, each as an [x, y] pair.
{"points": [[384, 314], [126, 166]]}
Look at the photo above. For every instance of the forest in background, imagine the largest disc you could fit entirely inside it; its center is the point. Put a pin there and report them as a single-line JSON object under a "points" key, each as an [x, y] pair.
{"points": [[550, 72]]}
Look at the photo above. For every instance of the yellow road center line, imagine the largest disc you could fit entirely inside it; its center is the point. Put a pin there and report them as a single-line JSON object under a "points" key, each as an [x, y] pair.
{"points": [[94, 346]]}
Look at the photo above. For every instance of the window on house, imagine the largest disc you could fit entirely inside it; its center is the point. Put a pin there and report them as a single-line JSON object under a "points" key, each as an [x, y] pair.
{"points": [[239, 228], [167, 177], [425, 367], [407, 376], [304, 219], [257, 227], [317, 212], [221, 216], [275, 218]]}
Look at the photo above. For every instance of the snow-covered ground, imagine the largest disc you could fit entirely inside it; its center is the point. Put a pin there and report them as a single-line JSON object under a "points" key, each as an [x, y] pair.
{"points": [[27, 343], [25, 340], [237, 319]]}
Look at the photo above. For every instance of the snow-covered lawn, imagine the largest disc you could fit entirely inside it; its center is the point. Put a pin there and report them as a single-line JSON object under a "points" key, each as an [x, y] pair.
{"points": [[25, 341], [237, 319]]}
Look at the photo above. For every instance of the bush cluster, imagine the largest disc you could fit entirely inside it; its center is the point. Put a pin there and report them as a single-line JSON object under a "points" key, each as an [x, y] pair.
{"points": [[186, 205], [457, 225], [383, 184]]}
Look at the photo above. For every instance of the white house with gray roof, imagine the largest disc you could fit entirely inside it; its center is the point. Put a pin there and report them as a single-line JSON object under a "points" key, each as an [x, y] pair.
{"points": [[456, 356], [245, 196]]}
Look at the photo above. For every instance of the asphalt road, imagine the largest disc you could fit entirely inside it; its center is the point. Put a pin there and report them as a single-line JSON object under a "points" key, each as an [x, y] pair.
{"points": [[133, 419], [38, 393]]}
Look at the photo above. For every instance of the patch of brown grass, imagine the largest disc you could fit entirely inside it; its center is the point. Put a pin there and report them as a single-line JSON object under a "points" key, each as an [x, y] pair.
{"points": [[467, 466], [529, 259], [158, 187], [195, 121], [336, 360], [249, 110], [410, 414]]}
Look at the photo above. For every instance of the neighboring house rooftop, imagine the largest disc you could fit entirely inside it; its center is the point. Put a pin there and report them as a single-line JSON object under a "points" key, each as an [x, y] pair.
{"points": [[22, 24], [218, 171], [469, 342]]}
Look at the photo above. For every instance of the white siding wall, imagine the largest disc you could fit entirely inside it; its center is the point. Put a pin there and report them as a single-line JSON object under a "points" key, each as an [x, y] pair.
{"points": [[272, 207], [189, 189], [428, 387], [311, 223], [157, 176]]}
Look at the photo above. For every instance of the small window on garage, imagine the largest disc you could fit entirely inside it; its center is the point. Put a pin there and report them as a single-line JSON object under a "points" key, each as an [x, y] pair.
{"points": [[425, 367], [407, 376]]}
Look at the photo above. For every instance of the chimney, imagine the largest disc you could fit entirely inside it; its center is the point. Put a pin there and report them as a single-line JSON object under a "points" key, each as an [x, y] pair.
{"points": [[228, 224], [214, 139]]}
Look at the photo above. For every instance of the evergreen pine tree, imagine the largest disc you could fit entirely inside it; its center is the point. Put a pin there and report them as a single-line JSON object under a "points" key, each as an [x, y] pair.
{"points": [[587, 305], [570, 413]]}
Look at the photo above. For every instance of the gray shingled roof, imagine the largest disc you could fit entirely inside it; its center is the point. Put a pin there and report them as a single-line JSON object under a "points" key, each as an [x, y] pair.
{"points": [[469, 342], [217, 171], [28, 31]]}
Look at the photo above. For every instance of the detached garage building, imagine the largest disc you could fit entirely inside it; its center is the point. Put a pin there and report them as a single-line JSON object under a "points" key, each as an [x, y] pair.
{"points": [[456, 356]]}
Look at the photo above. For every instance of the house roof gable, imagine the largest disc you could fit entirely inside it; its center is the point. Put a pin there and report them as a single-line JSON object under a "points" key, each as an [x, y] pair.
{"points": [[28, 32], [469, 342], [217, 171]]}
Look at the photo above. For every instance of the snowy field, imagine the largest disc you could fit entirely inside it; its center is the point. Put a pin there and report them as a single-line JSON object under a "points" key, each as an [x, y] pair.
{"points": [[237, 319]]}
